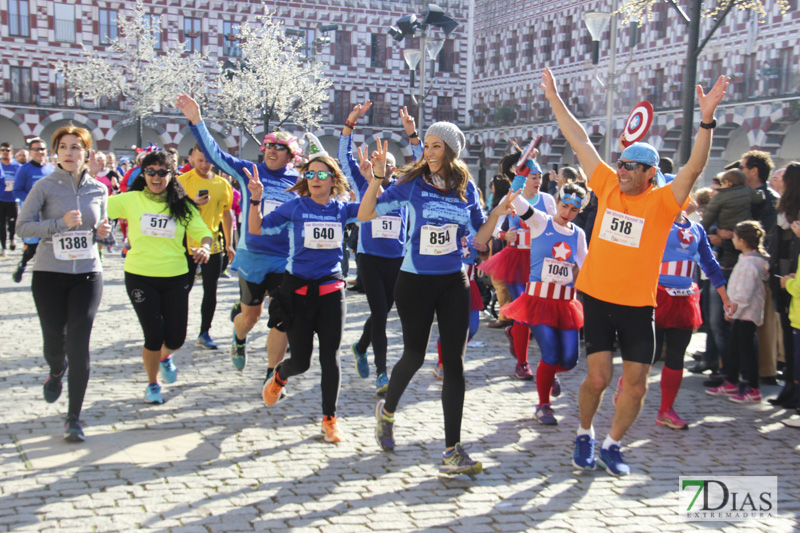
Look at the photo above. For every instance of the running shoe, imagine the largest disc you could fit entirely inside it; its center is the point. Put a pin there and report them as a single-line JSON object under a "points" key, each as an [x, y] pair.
{"points": [[583, 455], [169, 373], [204, 340], [152, 394], [330, 429], [384, 431], [17, 275], [438, 371], [523, 371], [555, 392], [238, 353], [748, 395], [544, 415], [726, 389], [671, 419], [73, 430], [271, 371], [456, 461], [381, 384], [510, 342], [225, 275], [3, 253], [271, 392], [615, 397], [362, 365], [611, 459], [53, 385], [12, 246]]}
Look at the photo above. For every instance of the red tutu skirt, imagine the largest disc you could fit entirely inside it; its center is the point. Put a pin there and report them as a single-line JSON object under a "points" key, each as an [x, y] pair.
{"points": [[677, 312], [511, 265], [475, 298], [535, 311]]}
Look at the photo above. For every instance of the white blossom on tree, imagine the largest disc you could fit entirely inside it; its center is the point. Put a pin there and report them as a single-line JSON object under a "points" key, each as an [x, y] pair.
{"points": [[642, 10], [140, 69], [274, 83]]}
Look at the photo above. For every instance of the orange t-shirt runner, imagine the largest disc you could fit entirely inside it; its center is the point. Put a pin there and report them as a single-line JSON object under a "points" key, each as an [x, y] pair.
{"points": [[628, 240]]}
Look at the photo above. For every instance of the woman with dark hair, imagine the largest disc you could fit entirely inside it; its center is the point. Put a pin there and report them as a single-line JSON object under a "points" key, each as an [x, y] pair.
{"points": [[159, 215], [547, 306], [784, 248], [67, 211], [443, 206], [311, 296]]}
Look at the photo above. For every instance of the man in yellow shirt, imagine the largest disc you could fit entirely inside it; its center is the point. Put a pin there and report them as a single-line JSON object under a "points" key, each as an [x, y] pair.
{"points": [[213, 196], [620, 273]]}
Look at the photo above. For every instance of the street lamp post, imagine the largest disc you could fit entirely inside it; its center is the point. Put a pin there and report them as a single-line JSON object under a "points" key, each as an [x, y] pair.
{"points": [[597, 22], [407, 26]]}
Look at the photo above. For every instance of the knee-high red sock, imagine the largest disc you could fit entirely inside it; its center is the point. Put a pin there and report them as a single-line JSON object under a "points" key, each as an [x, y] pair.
{"points": [[670, 383], [439, 349], [520, 333], [545, 374]]}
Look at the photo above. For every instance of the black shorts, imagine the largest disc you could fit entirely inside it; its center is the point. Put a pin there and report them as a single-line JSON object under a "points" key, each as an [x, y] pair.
{"points": [[253, 293], [634, 326]]}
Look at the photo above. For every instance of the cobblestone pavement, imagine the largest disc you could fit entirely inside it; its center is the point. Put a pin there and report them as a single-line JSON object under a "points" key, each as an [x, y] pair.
{"points": [[214, 458]]}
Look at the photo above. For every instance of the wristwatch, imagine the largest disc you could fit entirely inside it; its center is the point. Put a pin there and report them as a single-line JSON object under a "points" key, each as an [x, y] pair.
{"points": [[255, 202], [710, 126], [414, 135]]}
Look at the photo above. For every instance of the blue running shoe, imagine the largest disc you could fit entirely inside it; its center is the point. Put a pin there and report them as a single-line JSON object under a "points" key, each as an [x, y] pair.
{"points": [[53, 385], [73, 430], [238, 353], [611, 460], [583, 456], [204, 340], [169, 373], [362, 365], [555, 392], [381, 384], [384, 431], [152, 394], [456, 461]]}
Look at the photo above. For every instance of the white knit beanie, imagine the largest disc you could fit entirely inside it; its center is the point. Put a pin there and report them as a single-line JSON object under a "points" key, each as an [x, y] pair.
{"points": [[450, 134]]}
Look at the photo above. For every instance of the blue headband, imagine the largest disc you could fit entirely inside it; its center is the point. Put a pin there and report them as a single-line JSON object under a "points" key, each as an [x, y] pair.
{"points": [[572, 199], [646, 154]]}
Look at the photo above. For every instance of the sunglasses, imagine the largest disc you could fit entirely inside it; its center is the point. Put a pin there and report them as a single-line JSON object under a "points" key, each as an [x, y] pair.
{"points": [[321, 174], [4, 150], [276, 146], [163, 173], [39, 149], [632, 165]]}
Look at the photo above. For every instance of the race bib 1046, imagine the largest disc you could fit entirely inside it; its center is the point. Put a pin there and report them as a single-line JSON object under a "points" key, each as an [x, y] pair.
{"points": [[322, 235], [621, 228], [438, 240], [158, 225], [386, 227], [72, 245]]}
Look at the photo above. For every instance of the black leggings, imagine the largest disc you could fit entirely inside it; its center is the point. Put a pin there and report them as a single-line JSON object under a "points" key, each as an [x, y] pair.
{"points": [[211, 273], [326, 319], [379, 276], [677, 341], [8, 219], [162, 305], [67, 305], [418, 297], [28, 253], [744, 355]]}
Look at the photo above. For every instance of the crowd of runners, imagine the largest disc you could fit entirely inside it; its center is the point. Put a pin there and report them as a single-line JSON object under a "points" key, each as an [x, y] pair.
{"points": [[609, 260]]}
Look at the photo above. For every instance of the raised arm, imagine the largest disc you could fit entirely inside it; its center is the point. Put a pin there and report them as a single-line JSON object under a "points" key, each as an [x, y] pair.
{"points": [[687, 176], [369, 200], [575, 134]]}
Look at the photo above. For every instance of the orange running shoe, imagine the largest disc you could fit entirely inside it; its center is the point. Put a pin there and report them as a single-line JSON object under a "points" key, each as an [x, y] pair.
{"points": [[272, 389], [330, 429]]}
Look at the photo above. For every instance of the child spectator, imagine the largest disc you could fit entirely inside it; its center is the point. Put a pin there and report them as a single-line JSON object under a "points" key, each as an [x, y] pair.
{"points": [[747, 290]]}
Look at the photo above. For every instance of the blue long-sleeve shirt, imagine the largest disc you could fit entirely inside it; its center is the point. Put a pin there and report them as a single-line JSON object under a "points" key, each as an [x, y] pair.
{"points": [[247, 260], [386, 236], [687, 241]]}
